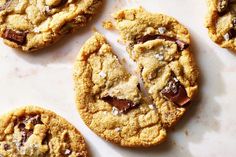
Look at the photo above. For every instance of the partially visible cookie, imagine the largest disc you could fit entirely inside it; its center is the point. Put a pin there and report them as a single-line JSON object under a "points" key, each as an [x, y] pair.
{"points": [[34, 24], [221, 22], [109, 99], [160, 46], [36, 132]]}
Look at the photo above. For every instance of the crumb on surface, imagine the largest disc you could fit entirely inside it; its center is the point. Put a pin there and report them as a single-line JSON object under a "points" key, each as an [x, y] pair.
{"points": [[107, 24]]}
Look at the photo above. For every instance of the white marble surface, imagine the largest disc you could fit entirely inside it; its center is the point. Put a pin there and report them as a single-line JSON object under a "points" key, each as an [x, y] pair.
{"points": [[207, 130]]}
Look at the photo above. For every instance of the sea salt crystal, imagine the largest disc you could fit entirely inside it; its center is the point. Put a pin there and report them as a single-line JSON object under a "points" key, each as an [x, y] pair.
{"points": [[47, 8], [226, 37], [67, 152], [159, 56], [175, 79], [118, 129], [102, 74], [151, 106], [162, 30], [36, 30], [115, 111]]}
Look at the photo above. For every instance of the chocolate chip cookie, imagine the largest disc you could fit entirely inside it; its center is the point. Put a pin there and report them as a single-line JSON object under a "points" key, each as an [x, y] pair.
{"points": [[110, 101], [221, 22], [34, 24], [35, 132], [160, 46]]}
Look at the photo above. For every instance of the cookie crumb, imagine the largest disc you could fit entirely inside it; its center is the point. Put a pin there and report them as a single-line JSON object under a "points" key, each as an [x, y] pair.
{"points": [[102, 74], [107, 24]]}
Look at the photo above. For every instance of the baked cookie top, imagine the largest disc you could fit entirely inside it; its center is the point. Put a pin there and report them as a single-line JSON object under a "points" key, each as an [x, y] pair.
{"points": [[34, 24], [109, 99], [160, 46], [221, 22], [35, 132]]}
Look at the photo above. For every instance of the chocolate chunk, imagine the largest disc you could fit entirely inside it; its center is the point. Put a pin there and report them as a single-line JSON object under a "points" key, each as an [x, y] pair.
{"points": [[222, 6], [18, 37], [29, 133], [230, 34], [67, 28], [6, 147], [234, 22], [25, 135], [146, 38], [47, 138], [23, 138], [36, 120], [176, 92], [121, 104], [62, 3], [21, 126], [181, 44], [138, 86]]}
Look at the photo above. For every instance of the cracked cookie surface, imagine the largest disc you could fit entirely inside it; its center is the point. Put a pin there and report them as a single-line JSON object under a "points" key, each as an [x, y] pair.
{"points": [[34, 132], [160, 46], [221, 22], [109, 99], [34, 24]]}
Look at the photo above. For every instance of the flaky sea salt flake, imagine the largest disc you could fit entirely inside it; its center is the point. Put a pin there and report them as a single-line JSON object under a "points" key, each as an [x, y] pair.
{"points": [[102, 74]]}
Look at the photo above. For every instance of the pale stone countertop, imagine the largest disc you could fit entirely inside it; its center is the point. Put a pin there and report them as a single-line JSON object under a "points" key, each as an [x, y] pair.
{"points": [[207, 130]]}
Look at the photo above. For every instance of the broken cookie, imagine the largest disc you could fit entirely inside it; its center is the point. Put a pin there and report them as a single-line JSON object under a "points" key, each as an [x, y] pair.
{"points": [[109, 99], [160, 46]]}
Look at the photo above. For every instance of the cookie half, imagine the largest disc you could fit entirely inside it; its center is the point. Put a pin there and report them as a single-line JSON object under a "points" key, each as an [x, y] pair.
{"points": [[33, 131], [160, 46], [34, 24], [109, 99], [221, 22]]}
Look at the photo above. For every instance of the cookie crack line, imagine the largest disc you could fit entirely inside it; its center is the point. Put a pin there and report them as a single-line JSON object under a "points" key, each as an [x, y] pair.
{"points": [[107, 95]]}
